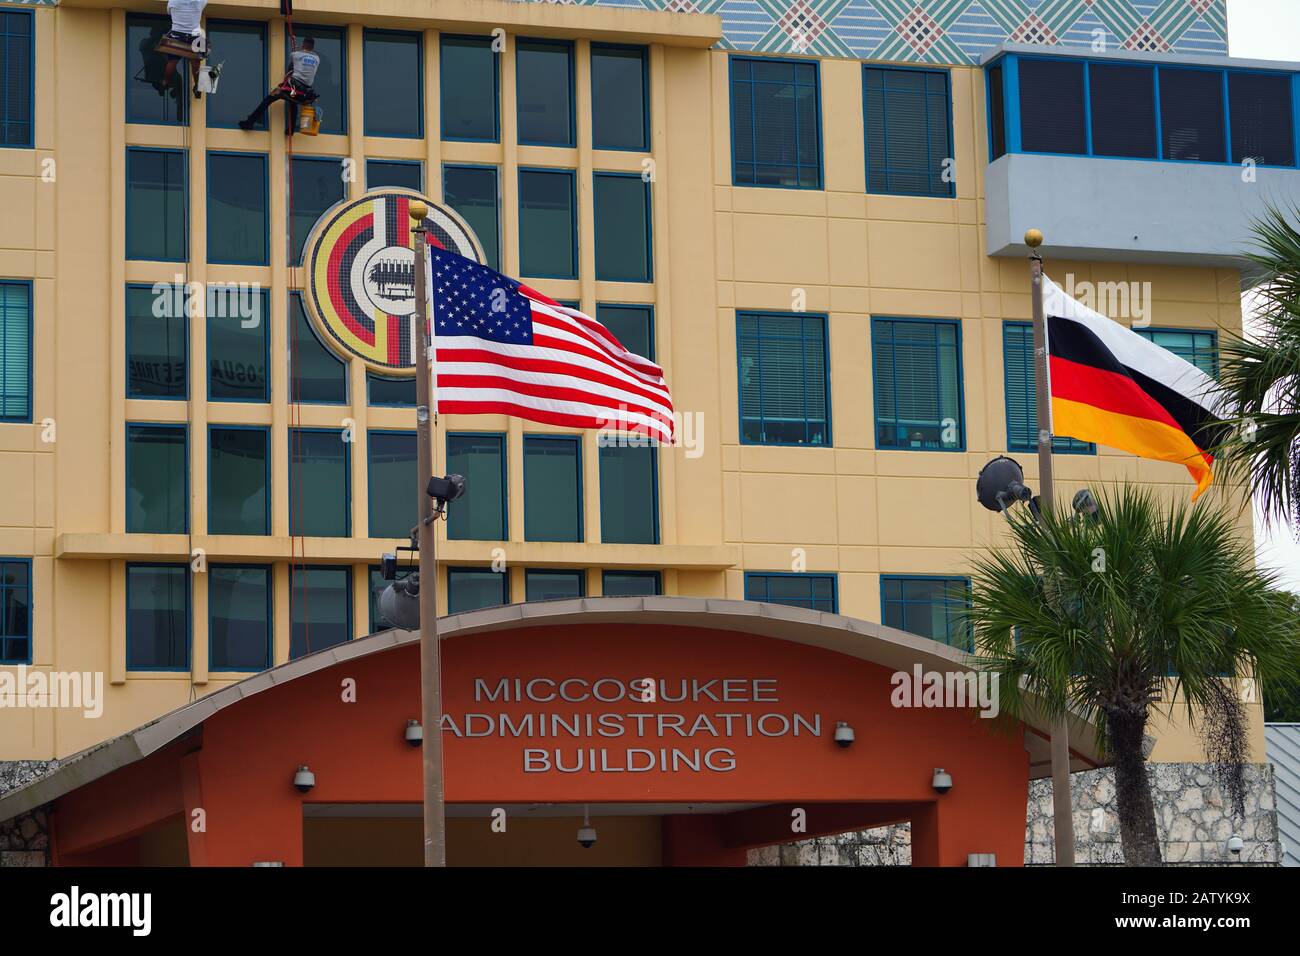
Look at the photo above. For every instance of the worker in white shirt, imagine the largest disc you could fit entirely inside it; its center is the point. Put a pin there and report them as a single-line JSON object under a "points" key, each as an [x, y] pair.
{"points": [[187, 29], [297, 87]]}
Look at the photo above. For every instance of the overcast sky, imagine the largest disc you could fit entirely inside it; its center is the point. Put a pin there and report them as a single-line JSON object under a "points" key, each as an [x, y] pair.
{"points": [[1269, 30]]}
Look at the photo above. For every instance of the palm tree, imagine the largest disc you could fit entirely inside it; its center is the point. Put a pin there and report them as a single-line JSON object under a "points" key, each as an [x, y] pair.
{"points": [[1261, 375], [1095, 614]]}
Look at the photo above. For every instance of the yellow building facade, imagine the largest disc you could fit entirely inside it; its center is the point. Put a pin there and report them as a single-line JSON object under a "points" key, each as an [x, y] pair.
{"points": [[844, 507]]}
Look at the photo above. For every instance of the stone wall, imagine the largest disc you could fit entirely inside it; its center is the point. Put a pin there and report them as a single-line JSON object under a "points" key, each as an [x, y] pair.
{"points": [[1193, 822], [24, 840]]}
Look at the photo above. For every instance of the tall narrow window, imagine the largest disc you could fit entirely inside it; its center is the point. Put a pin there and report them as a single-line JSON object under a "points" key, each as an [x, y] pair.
{"points": [[548, 225], [157, 479], [481, 514], [909, 131], [316, 376], [317, 184], [472, 192], [239, 324], [157, 342], [1022, 397], [241, 48], [775, 123], [393, 474], [239, 476], [158, 617], [15, 611], [1263, 121], [151, 96], [1123, 103], [320, 609], [629, 495], [156, 201], [783, 371], [239, 617], [550, 584], [331, 45], [403, 173], [1191, 115], [17, 127], [997, 113], [544, 71], [632, 325], [318, 483], [816, 592], [238, 225], [1052, 107], [394, 82], [469, 589], [619, 98], [916, 370], [927, 606], [622, 218], [470, 89], [552, 488], [15, 351]]}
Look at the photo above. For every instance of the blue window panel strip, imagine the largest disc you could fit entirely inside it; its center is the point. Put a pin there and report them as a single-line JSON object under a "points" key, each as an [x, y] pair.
{"points": [[930, 606], [16, 350], [1198, 346], [16, 610], [908, 123], [776, 138], [917, 382], [817, 592], [17, 79], [240, 646], [783, 375], [167, 647], [1021, 375]]}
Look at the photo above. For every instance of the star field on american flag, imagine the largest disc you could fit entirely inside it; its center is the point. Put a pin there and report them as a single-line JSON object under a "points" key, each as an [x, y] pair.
{"points": [[470, 299]]}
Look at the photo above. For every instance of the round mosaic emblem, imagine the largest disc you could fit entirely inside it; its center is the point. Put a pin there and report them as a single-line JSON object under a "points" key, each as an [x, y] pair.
{"points": [[360, 262]]}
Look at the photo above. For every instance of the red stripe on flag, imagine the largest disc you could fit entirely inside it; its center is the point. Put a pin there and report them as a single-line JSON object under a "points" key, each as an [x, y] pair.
{"points": [[566, 345], [1107, 390], [555, 366], [459, 407], [537, 390], [645, 367]]}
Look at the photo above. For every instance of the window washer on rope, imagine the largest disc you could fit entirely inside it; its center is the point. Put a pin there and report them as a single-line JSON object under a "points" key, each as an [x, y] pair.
{"points": [[295, 89], [185, 40]]}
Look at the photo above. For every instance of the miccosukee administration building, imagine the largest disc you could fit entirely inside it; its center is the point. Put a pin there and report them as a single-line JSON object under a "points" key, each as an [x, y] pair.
{"points": [[811, 217]]}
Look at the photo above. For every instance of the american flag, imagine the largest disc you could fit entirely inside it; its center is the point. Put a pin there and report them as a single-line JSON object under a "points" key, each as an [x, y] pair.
{"points": [[503, 348]]}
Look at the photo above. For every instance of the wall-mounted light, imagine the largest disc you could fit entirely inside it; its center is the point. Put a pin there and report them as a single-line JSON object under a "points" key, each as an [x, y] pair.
{"points": [[414, 733], [941, 781], [304, 779], [1235, 846], [843, 733], [981, 859]]}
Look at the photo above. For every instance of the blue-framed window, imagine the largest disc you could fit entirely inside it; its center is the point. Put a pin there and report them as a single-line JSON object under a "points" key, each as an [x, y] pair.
{"points": [[391, 457], [317, 184], [17, 78], [776, 137], [620, 97], [238, 209], [544, 90], [239, 479], [631, 583], [623, 226], [471, 89], [150, 96], [331, 45], [817, 592], [387, 392], [241, 48], [908, 122], [15, 610], [393, 87], [16, 350], [158, 617], [469, 589], [482, 514], [320, 608], [1198, 346], [784, 376], [403, 173], [239, 343], [1021, 397], [629, 494], [157, 479], [916, 374], [239, 617], [474, 193], [552, 488], [157, 204], [157, 342], [548, 224], [553, 584], [320, 482], [927, 605], [1114, 108], [632, 325], [316, 375]]}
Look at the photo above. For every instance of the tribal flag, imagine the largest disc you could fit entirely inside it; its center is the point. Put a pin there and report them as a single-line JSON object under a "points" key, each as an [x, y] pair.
{"points": [[1111, 386], [503, 348]]}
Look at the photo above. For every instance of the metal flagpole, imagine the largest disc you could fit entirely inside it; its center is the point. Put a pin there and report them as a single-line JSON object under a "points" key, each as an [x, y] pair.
{"points": [[1062, 810], [435, 832]]}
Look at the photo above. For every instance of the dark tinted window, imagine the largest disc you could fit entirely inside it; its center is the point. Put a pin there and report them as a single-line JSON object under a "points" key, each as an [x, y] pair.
{"points": [[909, 140], [472, 192], [385, 172], [394, 83], [15, 351], [157, 479], [781, 361], [470, 82], [813, 591], [618, 97], [317, 185], [315, 375], [158, 617], [548, 228], [544, 70], [156, 199], [629, 495], [148, 98], [481, 514], [552, 488], [928, 607], [553, 585], [239, 472], [318, 483], [630, 583], [997, 113], [16, 68], [775, 123], [157, 342], [622, 219], [1191, 115], [916, 374], [1123, 102], [239, 328], [320, 609], [331, 75], [392, 484], [1262, 120], [16, 612], [1051, 107], [237, 209], [632, 325], [398, 392], [241, 49], [239, 618], [469, 589]]}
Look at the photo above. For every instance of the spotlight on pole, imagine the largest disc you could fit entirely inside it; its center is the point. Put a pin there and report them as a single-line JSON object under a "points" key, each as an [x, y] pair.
{"points": [[399, 603], [1085, 505], [444, 490], [1001, 483]]}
